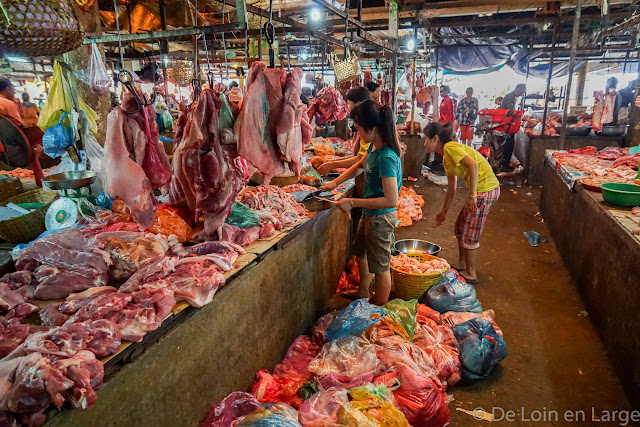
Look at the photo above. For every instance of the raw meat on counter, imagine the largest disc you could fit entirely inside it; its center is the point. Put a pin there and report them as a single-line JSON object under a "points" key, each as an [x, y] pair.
{"points": [[12, 334], [63, 263], [192, 279], [328, 105], [272, 127], [409, 206], [611, 153], [56, 314], [14, 304], [128, 250], [207, 174], [298, 187], [134, 313], [411, 265], [271, 200]]}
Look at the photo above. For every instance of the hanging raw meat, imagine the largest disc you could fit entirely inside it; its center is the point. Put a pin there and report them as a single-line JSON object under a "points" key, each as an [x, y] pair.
{"points": [[598, 107], [379, 79], [329, 105], [207, 174], [123, 178], [271, 127], [608, 107], [368, 76]]}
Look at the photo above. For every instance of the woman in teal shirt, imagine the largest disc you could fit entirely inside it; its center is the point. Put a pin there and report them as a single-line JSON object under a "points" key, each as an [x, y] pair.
{"points": [[382, 181]]}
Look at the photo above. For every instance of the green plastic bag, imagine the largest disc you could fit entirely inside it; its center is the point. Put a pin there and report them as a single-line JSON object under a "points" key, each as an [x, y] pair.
{"points": [[226, 115], [405, 313], [243, 216], [168, 121]]}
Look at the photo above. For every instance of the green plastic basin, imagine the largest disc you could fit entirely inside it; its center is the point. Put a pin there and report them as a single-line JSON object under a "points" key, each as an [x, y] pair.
{"points": [[621, 194]]}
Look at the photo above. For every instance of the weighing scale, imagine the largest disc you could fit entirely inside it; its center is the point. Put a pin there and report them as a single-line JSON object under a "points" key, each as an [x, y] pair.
{"points": [[16, 149], [75, 199]]}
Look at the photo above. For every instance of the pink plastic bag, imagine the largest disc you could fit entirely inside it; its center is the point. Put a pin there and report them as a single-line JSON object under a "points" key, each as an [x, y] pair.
{"points": [[439, 343], [319, 330], [231, 410], [295, 364]]}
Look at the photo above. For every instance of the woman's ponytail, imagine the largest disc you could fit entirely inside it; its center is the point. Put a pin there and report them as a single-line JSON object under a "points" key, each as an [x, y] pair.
{"points": [[369, 115], [444, 132]]}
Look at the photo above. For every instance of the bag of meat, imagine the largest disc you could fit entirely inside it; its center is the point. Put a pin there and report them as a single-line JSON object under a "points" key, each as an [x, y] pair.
{"points": [[231, 410], [427, 315], [481, 348], [319, 330], [354, 319], [278, 415], [405, 313], [453, 318], [439, 343], [450, 294], [331, 408]]}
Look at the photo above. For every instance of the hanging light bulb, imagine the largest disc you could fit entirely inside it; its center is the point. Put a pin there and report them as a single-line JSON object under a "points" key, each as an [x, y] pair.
{"points": [[411, 44], [304, 55], [315, 15]]}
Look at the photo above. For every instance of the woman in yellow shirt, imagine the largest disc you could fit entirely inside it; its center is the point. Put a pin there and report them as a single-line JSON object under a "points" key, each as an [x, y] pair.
{"points": [[462, 161]]}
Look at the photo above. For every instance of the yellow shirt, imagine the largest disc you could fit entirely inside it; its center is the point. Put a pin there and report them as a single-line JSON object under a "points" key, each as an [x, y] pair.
{"points": [[364, 146], [454, 152]]}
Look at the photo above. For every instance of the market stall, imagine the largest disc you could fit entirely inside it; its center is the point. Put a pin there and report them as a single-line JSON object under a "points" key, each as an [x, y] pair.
{"points": [[600, 251]]}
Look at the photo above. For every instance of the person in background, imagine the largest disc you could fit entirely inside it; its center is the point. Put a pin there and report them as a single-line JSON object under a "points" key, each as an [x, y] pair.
{"points": [[446, 106], [114, 100], [30, 111], [383, 178], [461, 161], [626, 99], [233, 84], [498, 101], [466, 115], [509, 102], [612, 98], [375, 89], [8, 105], [306, 96]]}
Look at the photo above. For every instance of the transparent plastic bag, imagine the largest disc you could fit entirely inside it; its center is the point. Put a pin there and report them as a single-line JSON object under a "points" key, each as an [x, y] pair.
{"points": [[242, 216], [394, 352], [453, 318], [319, 330], [452, 295], [96, 75], [353, 320], [404, 312], [375, 402], [345, 362], [439, 343], [278, 415], [481, 348], [232, 408]]}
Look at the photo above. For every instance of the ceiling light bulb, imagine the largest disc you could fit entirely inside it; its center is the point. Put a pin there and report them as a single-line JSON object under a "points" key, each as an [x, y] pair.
{"points": [[315, 15], [411, 44]]}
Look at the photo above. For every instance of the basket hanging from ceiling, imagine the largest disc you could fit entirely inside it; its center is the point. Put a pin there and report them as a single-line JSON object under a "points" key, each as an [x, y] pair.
{"points": [[346, 69], [180, 73], [38, 27]]}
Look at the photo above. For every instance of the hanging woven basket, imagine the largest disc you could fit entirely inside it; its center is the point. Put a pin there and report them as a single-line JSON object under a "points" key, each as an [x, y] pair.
{"points": [[181, 73], [38, 27], [347, 69]]}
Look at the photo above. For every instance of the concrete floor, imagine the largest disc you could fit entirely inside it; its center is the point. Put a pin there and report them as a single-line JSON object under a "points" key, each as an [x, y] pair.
{"points": [[556, 361]]}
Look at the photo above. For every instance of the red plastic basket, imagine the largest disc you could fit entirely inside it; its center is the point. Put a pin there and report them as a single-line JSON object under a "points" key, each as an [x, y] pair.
{"points": [[502, 122]]}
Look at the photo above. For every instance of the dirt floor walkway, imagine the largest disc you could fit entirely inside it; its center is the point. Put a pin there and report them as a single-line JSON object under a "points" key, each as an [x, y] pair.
{"points": [[556, 361]]}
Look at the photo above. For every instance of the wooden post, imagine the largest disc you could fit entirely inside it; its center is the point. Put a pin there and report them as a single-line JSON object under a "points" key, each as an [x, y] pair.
{"points": [[572, 63], [79, 58], [582, 77]]}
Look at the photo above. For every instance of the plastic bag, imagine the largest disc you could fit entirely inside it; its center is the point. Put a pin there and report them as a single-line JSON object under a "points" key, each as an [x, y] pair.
{"points": [[57, 138], [450, 294], [295, 364], [232, 408], [439, 343], [394, 352], [453, 318], [59, 100], [481, 348], [96, 75], [278, 415], [226, 115], [379, 410], [427, 315], [320, 328], [345, 362], [418, 398], [167, 120], [169, 222], [242, 216], [404, 312], [354, 319]]}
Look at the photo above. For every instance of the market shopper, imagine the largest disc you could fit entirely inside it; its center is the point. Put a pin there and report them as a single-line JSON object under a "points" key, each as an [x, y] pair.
{"points": [[375, 90], [613, 102], [447, 107], [382, 181], [510, 100], [8, 102], [461, 161], [466, 115], [30, 111]]}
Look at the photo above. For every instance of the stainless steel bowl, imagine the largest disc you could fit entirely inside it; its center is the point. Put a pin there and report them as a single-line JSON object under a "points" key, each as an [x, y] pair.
{"points": [[414, 247], [617, 130], [70, 180]]}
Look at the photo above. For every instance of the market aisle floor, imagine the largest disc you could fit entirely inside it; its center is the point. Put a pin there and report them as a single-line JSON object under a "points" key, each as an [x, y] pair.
{"points": [[556, 360]]}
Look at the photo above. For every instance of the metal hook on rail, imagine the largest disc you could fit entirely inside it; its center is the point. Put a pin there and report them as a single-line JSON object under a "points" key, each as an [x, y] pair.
{"points": [[270, 34], [125, 78]]}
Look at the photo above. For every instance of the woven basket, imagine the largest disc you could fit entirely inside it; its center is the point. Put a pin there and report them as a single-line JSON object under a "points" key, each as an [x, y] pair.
{"points": [[346, 69], [9, 188], [408, 286], [38, 27], [180, 73], [27, 227]]}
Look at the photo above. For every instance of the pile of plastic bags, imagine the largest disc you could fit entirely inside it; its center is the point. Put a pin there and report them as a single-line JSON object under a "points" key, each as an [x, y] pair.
{"points": [[375, 366]]}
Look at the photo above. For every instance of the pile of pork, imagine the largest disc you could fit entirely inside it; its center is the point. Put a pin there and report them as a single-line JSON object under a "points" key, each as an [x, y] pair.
{"points": [[272, 125]]}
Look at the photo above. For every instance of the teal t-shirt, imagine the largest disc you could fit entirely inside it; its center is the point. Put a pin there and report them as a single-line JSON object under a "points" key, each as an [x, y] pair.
{"points": [[380, 163]]}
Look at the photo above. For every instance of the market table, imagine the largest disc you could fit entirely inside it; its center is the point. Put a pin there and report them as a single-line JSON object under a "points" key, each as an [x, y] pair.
{"points": [[602, 257], [275, 293], [530, 150]]}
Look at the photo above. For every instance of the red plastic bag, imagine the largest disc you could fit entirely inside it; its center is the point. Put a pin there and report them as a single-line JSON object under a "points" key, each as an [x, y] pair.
{"points": [[231, 410], [295, 364], [439, 343], [427, 316]]}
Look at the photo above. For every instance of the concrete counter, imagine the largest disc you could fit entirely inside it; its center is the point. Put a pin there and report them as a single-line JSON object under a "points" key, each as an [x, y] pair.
{"points": [[603, 258], [209, 352], [531, 150]]}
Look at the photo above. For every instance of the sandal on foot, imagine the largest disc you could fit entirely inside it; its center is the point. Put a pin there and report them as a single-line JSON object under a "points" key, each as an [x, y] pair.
{"points": [[469, 281]]}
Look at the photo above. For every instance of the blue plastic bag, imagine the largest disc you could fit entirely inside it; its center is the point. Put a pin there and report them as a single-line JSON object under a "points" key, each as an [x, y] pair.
{"points": [[57, 138], [481, 348], [104, 201], [276, 415], [354, 319], [449, 294]]}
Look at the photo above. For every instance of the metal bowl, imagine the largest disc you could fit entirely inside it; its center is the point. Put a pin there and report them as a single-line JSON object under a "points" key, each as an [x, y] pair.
{"points": [[618, 130], [70, 180], [414, 247], [575, 130]]}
